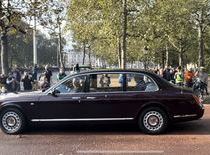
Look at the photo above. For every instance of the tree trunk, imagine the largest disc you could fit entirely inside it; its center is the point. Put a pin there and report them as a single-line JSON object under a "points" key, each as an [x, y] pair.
{"points": [[145, 64], [124, 41], [60, 48], [201, 59], [163, 60], [181, 58], [4, 54], [84, 53], [57, 56], [89, 55], [119, 53], [167, 56]]}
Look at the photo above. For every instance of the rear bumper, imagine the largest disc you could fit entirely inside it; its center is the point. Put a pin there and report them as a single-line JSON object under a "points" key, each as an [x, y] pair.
{"points": [[189, 117]]}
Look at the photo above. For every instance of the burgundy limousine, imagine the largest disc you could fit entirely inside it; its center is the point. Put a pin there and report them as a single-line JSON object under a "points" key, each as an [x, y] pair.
{"points": [[140, 97]]}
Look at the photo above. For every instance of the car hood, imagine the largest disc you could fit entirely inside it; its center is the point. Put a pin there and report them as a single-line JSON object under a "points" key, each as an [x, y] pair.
{"points": [[22, 96]]}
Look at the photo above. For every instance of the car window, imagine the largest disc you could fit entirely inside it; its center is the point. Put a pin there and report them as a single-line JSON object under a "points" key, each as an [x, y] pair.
{"points": [[140, 82], [104, 83], [72, 85]]}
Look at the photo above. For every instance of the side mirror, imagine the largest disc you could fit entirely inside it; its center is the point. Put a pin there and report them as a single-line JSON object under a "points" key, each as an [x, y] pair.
{"points": [[55, 93]]}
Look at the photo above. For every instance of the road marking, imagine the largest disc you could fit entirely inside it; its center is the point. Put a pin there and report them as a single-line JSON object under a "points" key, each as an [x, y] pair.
{"points": [[119, 152]]}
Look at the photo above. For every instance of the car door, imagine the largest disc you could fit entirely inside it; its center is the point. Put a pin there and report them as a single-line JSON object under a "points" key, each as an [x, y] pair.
{"points": [[96, 99], [137, 90], [140, 89], [65, 102], [106, 96]]}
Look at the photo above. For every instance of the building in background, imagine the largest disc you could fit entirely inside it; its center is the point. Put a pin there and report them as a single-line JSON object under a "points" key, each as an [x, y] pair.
{"points": [[73, 57]]}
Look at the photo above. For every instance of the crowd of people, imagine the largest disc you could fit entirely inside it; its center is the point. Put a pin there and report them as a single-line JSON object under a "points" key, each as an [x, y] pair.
{"points": [[28, 79], [184, 77]]}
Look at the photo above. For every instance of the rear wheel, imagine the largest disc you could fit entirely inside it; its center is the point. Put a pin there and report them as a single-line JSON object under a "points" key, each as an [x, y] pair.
{"points": [[12, 121], [153, 120]]}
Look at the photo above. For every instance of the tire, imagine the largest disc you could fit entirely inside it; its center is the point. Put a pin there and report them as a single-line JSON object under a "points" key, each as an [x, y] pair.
{"points": [[12, 121], [153, 120]]}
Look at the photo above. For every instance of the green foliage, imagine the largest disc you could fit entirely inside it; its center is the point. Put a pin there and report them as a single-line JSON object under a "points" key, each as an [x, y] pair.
{"points": [[152, 24], [21, 49], [16, 35]]}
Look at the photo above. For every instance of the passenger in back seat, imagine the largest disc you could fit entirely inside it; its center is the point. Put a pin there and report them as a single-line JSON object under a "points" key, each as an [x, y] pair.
{"points": [[140, 83]]}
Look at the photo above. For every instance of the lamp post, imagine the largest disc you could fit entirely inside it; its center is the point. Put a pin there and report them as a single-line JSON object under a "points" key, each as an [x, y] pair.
{"points": [[34, 43], [59, 52], [145, 51], [34, 36]]}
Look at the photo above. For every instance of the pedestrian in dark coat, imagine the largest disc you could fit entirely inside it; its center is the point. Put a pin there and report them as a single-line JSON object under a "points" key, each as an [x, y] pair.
{"points": [[17, 76], [48, 73], [34, 73], [27, 82]]}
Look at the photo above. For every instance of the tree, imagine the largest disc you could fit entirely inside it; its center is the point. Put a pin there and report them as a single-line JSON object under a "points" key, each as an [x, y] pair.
{"points": [[122, 29], [200, 15], [10, 18]]}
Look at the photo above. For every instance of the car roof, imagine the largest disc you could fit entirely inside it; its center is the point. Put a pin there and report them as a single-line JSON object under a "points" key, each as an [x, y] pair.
{"points": [[114, 70], [111, 71]]}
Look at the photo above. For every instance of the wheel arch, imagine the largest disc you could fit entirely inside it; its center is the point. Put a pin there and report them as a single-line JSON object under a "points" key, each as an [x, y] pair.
{"points": [[12, 105], [155, 104]]}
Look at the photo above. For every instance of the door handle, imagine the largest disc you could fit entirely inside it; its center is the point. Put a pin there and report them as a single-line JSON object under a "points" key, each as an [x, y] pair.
{"points": [[76, 98], [91, 98]]}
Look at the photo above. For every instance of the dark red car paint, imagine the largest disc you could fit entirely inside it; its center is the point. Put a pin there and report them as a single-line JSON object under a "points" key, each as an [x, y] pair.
{"points": [[175, 101]]}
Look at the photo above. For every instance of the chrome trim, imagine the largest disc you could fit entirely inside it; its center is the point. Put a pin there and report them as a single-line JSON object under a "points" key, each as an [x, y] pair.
{"points": [[81, 119], [90, 98], [76, 98], [184, 116]]}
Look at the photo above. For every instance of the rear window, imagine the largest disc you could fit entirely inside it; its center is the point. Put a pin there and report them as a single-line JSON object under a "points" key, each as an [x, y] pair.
{"points": [[140, 82]]}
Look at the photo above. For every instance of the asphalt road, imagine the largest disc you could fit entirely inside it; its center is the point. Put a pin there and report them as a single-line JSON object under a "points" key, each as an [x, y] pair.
{"points": [[191, 138]]}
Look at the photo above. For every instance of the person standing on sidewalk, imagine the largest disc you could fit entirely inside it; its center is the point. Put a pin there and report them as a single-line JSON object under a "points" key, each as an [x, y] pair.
{"points": [[48, 74], [34, 72], [188, 77], [179, 77], [17, 77], [27, 82], [203, 76], [61, 74]]}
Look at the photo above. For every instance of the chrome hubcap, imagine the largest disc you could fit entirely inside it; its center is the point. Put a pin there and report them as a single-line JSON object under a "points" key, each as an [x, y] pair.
{"points": [[11, 122], [153, 120]]}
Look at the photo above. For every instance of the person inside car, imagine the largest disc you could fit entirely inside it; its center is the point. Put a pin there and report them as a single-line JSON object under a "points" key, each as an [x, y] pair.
{"points": [[77, 85], [107, 80], [140, 83]]}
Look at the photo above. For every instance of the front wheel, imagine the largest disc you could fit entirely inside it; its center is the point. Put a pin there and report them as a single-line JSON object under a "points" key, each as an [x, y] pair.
{"points": [[12, 121], [153, 120]]}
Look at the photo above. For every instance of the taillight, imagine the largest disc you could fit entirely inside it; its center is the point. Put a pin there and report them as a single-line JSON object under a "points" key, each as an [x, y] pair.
{"points": [[197, 99]]}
